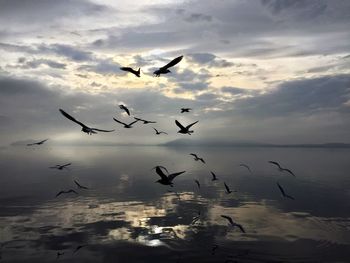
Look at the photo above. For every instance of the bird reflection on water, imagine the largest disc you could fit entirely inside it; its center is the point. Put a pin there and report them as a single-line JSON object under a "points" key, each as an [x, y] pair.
{"points": [[125, 217]]}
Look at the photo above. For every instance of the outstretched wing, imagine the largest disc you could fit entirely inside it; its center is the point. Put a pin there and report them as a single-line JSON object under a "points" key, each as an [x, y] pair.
{"points": [[119, 121], [67, 164], [65, 114], [59, 193], [102, 130], [128, 69], [41, 142], [288, 171], [189, 126], [281, 189], [172, 176], [133, 122], [275, 163], [173, 62], [228, 219], [179, 125], [227, 188], [194, 155], [160, 173], [240, 227], [155, 130]]}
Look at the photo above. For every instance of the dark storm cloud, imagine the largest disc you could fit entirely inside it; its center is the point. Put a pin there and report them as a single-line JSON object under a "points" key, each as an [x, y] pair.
{"points": [[305, 96]]}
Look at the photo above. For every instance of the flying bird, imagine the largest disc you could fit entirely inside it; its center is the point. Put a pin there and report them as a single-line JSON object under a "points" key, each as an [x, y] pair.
{"points": [[166, 180], [196, 158], [229, 219], [246, 166], [85, 128], [280, 168], [214, 177], [59, 255], [162, 167], [185, 130], [66, 192], [37, 143], [185, 110], [284, 193], [144, 121], [213, 249], [125, 109], [60, 167], [228, 190], [165, 69], [159, 132], [198, 184], [80, 186], [127, 126], [131, 70]]}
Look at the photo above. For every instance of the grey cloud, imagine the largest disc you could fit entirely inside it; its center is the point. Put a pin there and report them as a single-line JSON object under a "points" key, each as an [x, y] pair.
{"points": [[234, 90], [305, 96], [68, 51], [197, 17], [35, 63], [32, 11], [103, 66]]}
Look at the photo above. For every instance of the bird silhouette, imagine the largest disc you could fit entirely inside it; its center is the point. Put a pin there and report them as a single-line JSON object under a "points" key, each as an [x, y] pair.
{"points": [[144, 121], [66, 192], [37, 143], [185, 110], [59, 254], [214, 178], [131, 70], [159, 132], [127, 126], [196, 158], [198, 184], [125, 109], [166, 180], [214, 248], [80, 186], [246, 166], [165, 69], [85, 128], [60, 167], [280, 168], [230, 220], [284, 193], [161, 167], [185, 130], [228, 190]]}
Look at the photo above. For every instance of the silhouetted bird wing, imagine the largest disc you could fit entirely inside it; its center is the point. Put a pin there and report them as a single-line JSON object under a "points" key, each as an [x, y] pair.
{"points": [[161, 174], [79, 185], [102, 130], [65, 114], [164, 132], [179, 125], [128, 69], [240, 227], [276, 163], [138, 119], [125, 109], [194, 155], [119, 121], [59, 193], [228, 219], [281, 189], [160, 166], [197, 182], [72, 191], [133, 122], [288, 171], [214, 176], [155, 130], [227, 188], [202, 160], [246, 166], [65, 165], [41, 142], [78, 248], [172, 63], [189, 126], [173, 175]]}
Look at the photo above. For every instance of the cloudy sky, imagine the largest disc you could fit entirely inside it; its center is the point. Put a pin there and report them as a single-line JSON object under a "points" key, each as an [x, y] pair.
{"points": [[274, 71]]}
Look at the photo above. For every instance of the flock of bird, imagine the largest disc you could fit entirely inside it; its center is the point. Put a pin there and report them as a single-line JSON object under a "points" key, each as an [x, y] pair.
{"points": [[166, 178]]}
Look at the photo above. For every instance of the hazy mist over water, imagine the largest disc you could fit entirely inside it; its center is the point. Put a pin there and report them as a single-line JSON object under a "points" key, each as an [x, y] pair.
{"points": [[125, 216]]}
